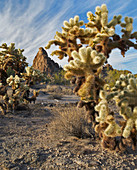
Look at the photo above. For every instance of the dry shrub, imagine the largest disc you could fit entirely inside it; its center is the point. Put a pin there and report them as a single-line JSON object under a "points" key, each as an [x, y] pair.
{"points": [[54, 88], [67, 90], [70, 122], [55, 96]]}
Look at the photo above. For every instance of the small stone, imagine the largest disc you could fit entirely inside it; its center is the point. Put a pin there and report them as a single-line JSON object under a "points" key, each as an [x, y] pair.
{"points": [[51, 105]]}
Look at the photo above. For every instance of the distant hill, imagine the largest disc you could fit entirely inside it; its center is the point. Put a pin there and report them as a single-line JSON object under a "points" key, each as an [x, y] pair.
{"points": [[108, 67], [110, 75]]}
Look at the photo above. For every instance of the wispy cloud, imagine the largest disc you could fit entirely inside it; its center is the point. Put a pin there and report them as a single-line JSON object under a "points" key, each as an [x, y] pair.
{"points": [[31, 24], [118, 7], [129, 62]]}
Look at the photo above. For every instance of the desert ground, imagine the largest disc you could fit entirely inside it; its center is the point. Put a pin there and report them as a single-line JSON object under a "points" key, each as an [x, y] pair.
{"points": [[35, 137]]}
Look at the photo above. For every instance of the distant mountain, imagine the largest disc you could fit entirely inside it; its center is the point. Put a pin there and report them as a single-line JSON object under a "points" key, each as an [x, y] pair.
{"points": [[44, 63], [108, 67]]}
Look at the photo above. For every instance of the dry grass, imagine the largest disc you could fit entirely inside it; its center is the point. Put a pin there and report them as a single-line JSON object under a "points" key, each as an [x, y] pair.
{"points": [[69, 122]]}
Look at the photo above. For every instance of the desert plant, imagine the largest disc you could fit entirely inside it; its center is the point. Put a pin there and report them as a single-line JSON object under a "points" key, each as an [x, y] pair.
{"points": [[31, 76], [57, 78], [125, 94], [69, 122], [32, 98], [19, 93], [112, 76], [55, 96], [13, 60], [11, 57], [85, 65]]}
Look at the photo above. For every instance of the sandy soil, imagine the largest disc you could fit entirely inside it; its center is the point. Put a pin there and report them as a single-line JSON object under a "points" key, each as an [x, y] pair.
{"points": [[26, 144]]}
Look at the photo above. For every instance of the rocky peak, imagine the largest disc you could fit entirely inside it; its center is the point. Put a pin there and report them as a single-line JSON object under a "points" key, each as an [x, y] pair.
{"points": [[42, 52], [44, 63]]}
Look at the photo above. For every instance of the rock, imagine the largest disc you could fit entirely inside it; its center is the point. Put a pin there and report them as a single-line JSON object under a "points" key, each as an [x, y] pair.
{"points": [[44, 63], [51, 105]]}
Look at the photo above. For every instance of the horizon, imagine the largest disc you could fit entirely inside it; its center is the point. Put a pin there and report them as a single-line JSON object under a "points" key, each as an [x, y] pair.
{"points": [[31, 24]]}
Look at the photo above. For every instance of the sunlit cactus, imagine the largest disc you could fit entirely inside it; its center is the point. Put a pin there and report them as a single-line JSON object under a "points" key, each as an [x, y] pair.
{"points": [[12, 57], [32, 76], [85, 63], [104, 29], [67, 40], [99, 34], [102, 108], [113, 129], [127, 92], [14, 81], [99, 24], [128, 25], [125, 95], [19, 94], [127, 101], [88, 48], [20, 83]]}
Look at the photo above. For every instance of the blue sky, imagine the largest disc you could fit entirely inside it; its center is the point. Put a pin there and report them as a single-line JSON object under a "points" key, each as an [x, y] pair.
{"points": [[30, 24]]}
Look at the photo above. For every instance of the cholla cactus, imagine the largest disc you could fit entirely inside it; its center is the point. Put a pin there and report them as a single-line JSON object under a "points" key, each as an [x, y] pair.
{"points": [[14, 81], [20, 90], [20, 94], [85, 63], [99, 24], [131, 118], [127, 101], [67, 40], [11, 57], [128, 25], [32, 75], [125, 94], [113, 129], [99, 34], [103, 30], [20, 83], [102, 108], [33, 98]]}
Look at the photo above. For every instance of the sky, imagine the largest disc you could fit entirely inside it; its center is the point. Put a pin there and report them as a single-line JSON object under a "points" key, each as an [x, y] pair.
{"points": [[30, 24]]}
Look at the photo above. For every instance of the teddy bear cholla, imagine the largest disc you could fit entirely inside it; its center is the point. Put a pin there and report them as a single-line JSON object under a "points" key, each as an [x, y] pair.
{"points": [[125, 95], [112, 129]]}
